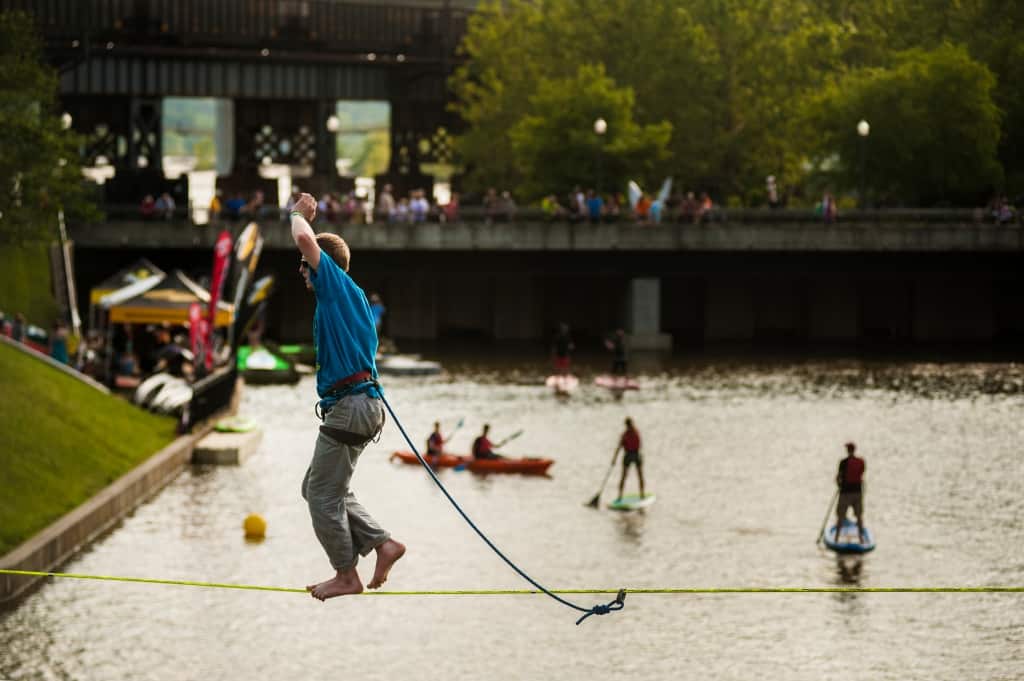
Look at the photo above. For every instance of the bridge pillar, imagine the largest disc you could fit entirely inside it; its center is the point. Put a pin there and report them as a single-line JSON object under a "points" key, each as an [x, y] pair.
{"points": [[645, 315]]}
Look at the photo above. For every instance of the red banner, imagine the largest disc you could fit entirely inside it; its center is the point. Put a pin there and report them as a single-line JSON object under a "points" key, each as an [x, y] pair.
{"points": [[195, 333], [221, 254]]}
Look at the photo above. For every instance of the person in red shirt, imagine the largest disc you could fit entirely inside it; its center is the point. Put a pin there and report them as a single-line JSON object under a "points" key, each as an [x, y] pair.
{"points": [[850, 480], [630, 444], [435, 443], [484, 448]]}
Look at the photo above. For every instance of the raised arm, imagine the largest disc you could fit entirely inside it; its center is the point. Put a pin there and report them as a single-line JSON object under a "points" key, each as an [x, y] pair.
{"points": [[302, 214]]}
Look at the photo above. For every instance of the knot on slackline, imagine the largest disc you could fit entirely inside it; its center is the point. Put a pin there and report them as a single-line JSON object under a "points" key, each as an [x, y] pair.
{"points": [[618, 604]]}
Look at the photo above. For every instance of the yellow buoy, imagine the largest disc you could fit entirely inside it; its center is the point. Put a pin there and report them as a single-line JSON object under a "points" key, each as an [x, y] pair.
{"points": [[255, 526]]}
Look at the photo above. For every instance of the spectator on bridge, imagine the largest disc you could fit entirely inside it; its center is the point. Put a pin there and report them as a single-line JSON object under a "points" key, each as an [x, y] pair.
{"points": [[401, 211], [506, 207], [147, 209], [704, 206], [688, 208], [165, 206], [384, 210], [491, 204], [577, 204], [827, 208], [552, 209], [418, 206], [450, 210], [595, 206], [613, 211], [772, 190], [642, 210], [1001, 210]]}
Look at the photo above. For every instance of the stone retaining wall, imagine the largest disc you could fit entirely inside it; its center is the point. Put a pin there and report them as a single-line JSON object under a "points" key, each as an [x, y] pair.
{"points": [[55, 545]]}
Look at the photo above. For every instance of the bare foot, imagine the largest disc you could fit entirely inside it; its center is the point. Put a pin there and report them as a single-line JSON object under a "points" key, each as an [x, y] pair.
{"points": [[342, 584], [388, 554]]}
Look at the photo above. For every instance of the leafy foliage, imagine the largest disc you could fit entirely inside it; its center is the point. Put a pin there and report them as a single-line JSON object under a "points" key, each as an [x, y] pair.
{"points": [[936, 127], [558, 147], [39, 166], [738, 81]]}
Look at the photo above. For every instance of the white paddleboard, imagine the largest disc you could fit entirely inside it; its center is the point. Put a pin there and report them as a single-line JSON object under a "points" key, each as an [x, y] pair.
{"points": [[632, 502]]}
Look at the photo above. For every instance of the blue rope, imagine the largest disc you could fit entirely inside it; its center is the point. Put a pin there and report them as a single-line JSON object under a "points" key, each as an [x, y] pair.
{"points": [[600, 609]]}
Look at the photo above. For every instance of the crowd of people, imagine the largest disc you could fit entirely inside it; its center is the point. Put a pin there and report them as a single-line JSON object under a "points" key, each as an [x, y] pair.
{"points": [[135, 351], [577, 205]]}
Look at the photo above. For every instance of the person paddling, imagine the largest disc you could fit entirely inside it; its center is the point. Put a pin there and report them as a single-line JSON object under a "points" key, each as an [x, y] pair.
{"points": [[483, 448], [350, 406], [629, 443], [435, 443], [561, 349], [850, 479]]}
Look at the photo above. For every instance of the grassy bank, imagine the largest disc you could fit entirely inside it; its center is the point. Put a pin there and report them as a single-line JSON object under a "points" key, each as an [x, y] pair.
{"points": [[62, 442], [25, 284]]}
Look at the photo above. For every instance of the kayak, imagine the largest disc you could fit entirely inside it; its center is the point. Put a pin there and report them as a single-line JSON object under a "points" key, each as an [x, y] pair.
{"points": [[616, 382], [260, 366], [527, 466], [562, 384], [849, 539], [631, 502]]}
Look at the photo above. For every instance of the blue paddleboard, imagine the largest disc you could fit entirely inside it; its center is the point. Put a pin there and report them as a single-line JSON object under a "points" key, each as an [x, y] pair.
{"points": [[849, 539]]}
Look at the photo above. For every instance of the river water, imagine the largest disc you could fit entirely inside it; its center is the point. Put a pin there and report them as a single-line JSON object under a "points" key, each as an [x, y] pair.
{"points": [[741, 454]]}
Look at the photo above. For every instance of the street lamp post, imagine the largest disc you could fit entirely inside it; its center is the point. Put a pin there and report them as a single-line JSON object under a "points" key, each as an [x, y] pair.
{"points": [[863, 130], [600, 128]]}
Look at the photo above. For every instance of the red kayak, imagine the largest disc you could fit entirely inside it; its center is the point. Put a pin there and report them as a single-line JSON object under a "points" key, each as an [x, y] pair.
{"points": [[524, 466]]}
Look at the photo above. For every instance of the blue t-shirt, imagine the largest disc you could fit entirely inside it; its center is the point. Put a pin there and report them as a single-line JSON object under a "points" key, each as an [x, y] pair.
{"points": [[344, 335]]}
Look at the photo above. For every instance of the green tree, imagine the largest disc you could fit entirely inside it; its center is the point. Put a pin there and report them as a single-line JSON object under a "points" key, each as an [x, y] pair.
{"points": [[39, 160], [727, 74], [555, 144], [934, 128]]}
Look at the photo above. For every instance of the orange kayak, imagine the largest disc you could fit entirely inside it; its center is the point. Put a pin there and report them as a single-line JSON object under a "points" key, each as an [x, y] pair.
{"points": [[525, 466]]}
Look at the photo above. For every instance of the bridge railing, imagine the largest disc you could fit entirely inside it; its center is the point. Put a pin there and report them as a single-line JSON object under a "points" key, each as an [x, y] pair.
{"points": [[475, 214], [338, 26]]}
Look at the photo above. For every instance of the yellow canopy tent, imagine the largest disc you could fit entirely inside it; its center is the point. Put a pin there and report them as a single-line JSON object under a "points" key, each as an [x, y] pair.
{"points": [[139, 270], [169, 302]]}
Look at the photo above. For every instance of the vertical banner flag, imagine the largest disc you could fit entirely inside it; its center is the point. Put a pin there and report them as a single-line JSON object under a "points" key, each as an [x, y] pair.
{"points": [[195, 333], [221, 252]]}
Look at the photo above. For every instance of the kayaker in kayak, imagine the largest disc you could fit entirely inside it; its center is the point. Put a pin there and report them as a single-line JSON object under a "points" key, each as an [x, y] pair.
{"points": [[349, 405], [850, 479], [435, 443], [629, 443], [561, 349], [483, 448]]}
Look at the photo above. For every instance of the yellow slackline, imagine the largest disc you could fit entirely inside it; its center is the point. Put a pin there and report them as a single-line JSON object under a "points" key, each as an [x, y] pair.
{"points": [[525, 592]]}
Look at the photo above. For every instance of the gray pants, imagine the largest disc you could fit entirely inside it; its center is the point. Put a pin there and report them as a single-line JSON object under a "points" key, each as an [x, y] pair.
{"points": [[344, 528]]}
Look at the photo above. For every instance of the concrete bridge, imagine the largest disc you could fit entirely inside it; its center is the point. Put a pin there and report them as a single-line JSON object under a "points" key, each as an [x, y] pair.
{"points": [[908, 280]]}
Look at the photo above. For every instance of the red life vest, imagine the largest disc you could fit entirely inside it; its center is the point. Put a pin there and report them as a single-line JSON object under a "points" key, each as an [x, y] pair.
{"points": [[630, 441], [853, 471]]}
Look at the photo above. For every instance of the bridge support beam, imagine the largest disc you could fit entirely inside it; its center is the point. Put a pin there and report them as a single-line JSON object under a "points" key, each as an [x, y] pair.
{"points": [[645, 315]]}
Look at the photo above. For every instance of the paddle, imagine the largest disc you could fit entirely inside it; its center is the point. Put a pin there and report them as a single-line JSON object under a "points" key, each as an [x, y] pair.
{"points": [[511, 437], [454, 430], [828, 514], [597, 497]]}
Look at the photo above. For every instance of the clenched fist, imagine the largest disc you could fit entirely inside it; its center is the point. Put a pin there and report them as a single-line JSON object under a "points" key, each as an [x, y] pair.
{"points": [[306, 205]]}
